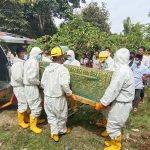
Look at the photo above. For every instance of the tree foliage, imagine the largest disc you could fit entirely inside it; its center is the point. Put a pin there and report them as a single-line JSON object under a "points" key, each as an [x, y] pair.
{"points": [[44, 43], [40, 19], [12, 18], [34, 18], [82, 36], [86, 32], [127, 25], [79, 35], [96, 15], [58, 8]]}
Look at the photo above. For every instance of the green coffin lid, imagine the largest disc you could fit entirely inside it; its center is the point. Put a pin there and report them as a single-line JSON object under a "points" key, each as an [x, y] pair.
{"points": [[86, 82]]}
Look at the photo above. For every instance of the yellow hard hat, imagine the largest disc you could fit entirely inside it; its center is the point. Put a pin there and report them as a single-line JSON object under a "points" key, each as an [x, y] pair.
{"points": [[103, 55], [56, 51]]}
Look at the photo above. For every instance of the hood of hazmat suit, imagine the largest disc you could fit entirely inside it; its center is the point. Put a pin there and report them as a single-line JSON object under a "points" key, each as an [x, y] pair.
{"points": [[55, 81], [121, 58], [35, 51], [121, 87], [71, 59]]}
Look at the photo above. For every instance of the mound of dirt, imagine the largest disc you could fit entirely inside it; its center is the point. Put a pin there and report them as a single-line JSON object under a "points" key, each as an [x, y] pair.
{"points": [[140, 141]]}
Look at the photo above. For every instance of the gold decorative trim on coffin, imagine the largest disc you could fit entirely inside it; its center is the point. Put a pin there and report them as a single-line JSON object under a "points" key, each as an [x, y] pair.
{"points": [[87, 84]]}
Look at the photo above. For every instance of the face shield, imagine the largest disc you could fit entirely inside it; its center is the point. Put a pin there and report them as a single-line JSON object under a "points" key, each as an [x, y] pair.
{"points": [[39, 57], [69, 58], [70, 55]]}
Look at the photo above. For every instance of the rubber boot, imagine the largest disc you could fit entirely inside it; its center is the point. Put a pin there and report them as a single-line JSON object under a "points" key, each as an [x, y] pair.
{"points": [[33, 125], [27, 120], [114, 144], [105, 134], [21, 121], [107, 143], [55, 137]]}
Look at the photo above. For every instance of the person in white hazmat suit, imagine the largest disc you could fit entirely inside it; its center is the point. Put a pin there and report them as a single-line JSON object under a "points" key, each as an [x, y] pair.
{"points": [[71, 59], [31, 82], [18, 86], [121, 94], [55, 82], [107, 63]]}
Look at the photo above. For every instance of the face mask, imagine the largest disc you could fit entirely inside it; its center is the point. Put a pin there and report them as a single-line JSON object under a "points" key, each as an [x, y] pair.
{"points": [[38, 57], [136, 62], [69, 58]]}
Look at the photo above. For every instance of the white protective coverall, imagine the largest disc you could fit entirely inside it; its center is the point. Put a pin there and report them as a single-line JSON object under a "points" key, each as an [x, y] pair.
{"points": [[31, 82], [71, 59], [108, 64], [17, 83], [120, 93], [55, 82]]}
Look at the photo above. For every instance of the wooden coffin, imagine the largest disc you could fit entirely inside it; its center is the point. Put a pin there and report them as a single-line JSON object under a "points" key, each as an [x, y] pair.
{"points": [[87, 84]]}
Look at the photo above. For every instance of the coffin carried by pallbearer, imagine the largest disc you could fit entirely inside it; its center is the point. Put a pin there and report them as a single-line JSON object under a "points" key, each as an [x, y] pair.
{"points": [[87, 84]]}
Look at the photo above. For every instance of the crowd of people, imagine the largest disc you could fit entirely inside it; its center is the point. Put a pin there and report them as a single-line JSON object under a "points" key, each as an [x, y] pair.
{"points": [[125, 91]]}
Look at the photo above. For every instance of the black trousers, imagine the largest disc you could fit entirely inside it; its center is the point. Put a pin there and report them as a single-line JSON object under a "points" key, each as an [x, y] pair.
{"points": [[142, 93], [137, 98]]}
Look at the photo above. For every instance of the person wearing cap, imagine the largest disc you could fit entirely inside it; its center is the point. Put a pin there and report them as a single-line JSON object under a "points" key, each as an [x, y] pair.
{"points": [[71, 59], [120, 94], [55, 82], [106, 61], [31, 82], [18, 86]]}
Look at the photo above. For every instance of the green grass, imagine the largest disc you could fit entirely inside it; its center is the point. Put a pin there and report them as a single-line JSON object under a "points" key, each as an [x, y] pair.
{"points": [[84, 135], [141, 119]]}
